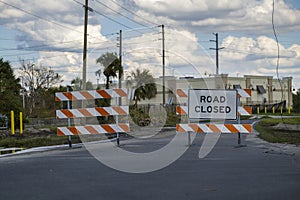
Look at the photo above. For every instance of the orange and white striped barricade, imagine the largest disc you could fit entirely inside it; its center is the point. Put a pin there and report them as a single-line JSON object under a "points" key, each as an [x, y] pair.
{"points": [[183, 94], [214, 128], [90, 94], [92, 112], [93, 129]]}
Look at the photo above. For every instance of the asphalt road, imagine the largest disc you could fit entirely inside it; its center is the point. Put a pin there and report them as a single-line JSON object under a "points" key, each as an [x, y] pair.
{"points": [[253, 172]]}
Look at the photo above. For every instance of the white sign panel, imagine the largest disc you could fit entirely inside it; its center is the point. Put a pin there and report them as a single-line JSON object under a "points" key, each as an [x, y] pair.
{"points": [[212, 104]]}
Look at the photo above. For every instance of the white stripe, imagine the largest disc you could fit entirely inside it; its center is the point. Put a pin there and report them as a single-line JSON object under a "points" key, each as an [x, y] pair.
{"points": [[241, 128], [92, 111], [97, 95], [111, 93], [243, 111], [99, 128], [65, 130], [110, 111], [76, 113], [61, 96], [115, 127], [243, 93], [205, 128], [82, 130], [186, 127], [222, 128], [60, 114], [92, 93], [78, 95]]}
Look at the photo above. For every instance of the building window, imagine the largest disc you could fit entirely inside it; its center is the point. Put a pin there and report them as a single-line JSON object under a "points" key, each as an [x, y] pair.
{"points": [[261, 89], [237, 87]]}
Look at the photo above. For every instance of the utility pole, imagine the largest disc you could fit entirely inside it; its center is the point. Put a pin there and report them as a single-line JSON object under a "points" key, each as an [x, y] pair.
{"points": [[120, 58], [163, 63], [217, 51], [86, 9]]}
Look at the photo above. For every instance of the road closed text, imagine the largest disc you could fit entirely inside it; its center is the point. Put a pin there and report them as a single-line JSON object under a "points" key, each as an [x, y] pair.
{"points": [[212, 104]]}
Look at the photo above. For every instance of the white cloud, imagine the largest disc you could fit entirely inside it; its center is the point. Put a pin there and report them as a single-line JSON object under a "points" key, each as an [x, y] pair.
{"points": [[259, 56], [61, 46], [233, 15]]}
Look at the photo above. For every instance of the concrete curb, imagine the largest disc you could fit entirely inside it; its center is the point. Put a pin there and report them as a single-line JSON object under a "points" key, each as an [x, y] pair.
{"points": [[66, 146], [275, 148]]}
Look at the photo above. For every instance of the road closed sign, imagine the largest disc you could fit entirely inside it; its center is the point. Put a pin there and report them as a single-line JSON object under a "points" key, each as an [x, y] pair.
{"points": [[212, 104]]}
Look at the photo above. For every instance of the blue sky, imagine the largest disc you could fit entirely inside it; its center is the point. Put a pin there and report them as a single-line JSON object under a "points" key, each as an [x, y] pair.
{"points": [[51, 34]]}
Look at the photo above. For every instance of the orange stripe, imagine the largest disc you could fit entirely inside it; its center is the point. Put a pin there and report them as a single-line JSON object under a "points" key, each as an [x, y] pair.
{"points": [[68, 113], [248, 127], [59, 132], [214, 128], [70, 96], [181, 93], [119, 110], [102, 111], [103, 93], [125, 127], [91, 130], [86, 95], [107, 128], [180, 111], [180, 129], [85, 112], [249, 91], [120, 92], [196, 128], [73, 130], [231, 128], [248, 109], [57, 99]]}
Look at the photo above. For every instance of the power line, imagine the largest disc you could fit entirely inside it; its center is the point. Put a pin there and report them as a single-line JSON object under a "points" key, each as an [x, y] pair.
{"points": [[119, 13], [144, 19], [93, 10], [39, 17], [37, 46]]}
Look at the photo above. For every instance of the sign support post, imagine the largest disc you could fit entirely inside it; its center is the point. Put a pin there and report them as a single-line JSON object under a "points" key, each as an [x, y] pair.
{"points": [[239, 121], [69, 122]]}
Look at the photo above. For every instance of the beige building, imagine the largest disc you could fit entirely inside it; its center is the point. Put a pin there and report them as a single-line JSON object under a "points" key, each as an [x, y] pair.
{"points": [[266, 90]]}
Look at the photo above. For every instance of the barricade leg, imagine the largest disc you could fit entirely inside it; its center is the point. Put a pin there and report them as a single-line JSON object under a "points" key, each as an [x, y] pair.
{"points": [[118, 139]]}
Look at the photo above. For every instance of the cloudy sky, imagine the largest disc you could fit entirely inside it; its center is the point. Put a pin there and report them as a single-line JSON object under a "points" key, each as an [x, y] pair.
{"points": [[51, 34]]}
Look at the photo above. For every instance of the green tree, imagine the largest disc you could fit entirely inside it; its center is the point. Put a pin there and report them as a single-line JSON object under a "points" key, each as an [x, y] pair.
{"points": [[111, 65], [296, 102], [144, 85], [10, 87]]}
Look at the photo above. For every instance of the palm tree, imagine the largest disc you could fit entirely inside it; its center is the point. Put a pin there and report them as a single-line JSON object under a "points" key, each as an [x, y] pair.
{"points": [[144, 85], [111, 64]]}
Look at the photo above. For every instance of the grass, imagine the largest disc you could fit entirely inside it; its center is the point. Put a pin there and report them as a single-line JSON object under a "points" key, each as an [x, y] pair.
{"points": [[267, 131], [35, 141]]}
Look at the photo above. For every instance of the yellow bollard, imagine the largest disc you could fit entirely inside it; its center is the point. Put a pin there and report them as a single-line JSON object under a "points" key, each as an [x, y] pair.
{"points": [[273, 110], [281, 109], [257, 110], [265, 110], [289, 110], [12, 122], [21, 123]]}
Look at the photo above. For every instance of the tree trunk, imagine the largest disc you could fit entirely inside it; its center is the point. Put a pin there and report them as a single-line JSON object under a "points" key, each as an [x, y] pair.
{"points": [[107, 82]]}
